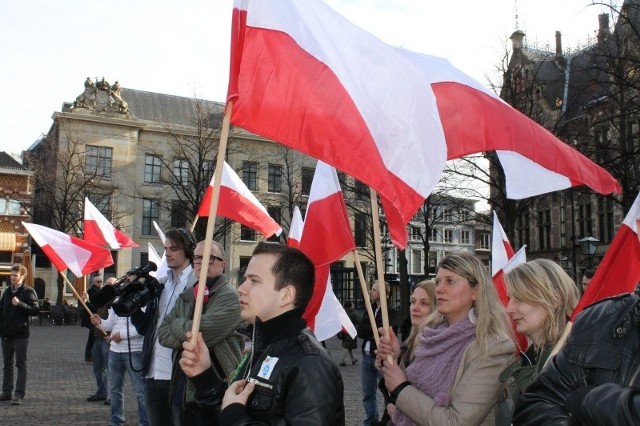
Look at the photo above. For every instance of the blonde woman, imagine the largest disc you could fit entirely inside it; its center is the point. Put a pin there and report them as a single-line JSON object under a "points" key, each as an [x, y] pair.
{"points": [[423, 303], [541, 299], [460, 350]]}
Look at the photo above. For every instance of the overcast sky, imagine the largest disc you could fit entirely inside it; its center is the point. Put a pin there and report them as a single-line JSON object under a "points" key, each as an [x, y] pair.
{"points": [[181, 48]]}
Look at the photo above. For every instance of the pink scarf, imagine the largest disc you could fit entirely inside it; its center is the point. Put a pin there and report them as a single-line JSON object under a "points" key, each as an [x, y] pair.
{"points": [[436, 362]]}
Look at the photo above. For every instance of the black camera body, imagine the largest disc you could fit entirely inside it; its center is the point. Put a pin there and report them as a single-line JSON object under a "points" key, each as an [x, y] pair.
{"points": [[129, 293]]}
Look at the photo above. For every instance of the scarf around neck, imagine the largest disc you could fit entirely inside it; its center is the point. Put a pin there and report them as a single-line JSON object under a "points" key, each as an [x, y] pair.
{"points": [[436, 362]]}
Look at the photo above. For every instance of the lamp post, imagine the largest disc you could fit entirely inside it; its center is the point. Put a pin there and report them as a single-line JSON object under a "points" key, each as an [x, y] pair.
{"points": [[588, 245]]}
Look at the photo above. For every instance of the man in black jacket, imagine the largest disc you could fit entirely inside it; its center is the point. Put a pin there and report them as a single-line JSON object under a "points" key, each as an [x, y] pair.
{"points": [[287, 377], [594, 379], [17, 304]]}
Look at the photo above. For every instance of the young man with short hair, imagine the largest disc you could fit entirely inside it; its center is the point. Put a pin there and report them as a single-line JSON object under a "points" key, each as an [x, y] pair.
{"points": [[17, 304], [287, 377]]}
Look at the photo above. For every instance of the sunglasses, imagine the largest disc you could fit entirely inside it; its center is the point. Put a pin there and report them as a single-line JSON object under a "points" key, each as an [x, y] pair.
{"points": [[212, 259]]}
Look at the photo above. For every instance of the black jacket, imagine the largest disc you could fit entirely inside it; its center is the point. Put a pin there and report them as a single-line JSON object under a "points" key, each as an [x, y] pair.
{"points": [[14, 320], [594, 379], [303, 387], [145, 322]]}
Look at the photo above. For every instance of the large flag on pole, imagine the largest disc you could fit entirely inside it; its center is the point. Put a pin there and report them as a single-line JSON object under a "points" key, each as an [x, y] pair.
{"points": [[67, 252], [326, 237], [619, 270], [239, 204], [296, 77], [98, 230], [295, 229]]}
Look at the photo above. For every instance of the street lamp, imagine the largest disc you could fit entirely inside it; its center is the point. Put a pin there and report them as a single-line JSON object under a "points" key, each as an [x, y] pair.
{"points": [[588, 245]]}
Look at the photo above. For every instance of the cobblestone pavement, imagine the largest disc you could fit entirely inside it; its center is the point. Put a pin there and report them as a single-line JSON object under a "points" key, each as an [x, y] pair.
{"points": [[59, 381]]}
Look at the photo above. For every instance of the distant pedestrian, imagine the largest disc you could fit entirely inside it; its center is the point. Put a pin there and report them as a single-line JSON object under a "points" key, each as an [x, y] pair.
{"points": [[349, 343], [17, 304]]}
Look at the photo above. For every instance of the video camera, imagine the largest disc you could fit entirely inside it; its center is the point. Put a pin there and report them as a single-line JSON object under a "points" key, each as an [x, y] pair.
{"points": [[130, 292]]}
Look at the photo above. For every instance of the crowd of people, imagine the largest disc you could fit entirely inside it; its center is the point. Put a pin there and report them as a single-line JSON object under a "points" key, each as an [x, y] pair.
{"points": [[255, 361]]}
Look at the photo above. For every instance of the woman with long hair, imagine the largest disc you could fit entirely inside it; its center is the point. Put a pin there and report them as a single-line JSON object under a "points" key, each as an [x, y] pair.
{"points": [[541, 299], [459, 352]]}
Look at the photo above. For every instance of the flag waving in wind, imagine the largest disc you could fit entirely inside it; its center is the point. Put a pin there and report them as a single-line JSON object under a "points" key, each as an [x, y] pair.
{"points": [[295, 79], [619, 270], [98, 230], [67, 252], [239, 204], [295, 230], [501, 252]]}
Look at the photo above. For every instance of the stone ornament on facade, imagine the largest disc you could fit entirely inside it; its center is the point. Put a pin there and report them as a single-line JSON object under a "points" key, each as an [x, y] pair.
{"points": [[100, 96]]}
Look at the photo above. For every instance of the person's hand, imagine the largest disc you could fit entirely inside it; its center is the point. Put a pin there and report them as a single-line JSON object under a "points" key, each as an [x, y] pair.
{"points": [[391, 409], [195, 359], [85, 296], [393, 375], [389, 344], [238, 392], [15, 301], [95, 319], [115, 337]]}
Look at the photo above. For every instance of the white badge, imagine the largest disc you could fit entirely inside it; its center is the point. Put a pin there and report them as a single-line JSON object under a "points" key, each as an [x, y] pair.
{"points": [[267, 367]]}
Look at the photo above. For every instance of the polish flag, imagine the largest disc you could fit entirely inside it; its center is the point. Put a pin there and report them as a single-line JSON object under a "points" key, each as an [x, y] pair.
{"points": [[162, 270], [326, 238], [296, 77], [239, 204], [619, 270], [331, 317], [67, 252], [98, 230], [295, 230]]}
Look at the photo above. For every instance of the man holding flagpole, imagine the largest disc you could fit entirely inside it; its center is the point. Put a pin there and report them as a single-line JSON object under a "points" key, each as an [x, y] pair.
{"points": [[17, 304]]}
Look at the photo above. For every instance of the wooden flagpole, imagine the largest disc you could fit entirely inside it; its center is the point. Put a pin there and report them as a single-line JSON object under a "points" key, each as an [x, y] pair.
{"points": [[213, 209], [365, 296], [377, 243], [84, 305]]}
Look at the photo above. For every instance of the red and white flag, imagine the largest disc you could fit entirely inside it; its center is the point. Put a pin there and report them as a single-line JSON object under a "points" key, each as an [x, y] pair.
{"points": [[295, 80], [331, 317], [326, 238], [619, 270], [67, 252], [295, 230], [98, 230], [161, 262], [239, 204]]}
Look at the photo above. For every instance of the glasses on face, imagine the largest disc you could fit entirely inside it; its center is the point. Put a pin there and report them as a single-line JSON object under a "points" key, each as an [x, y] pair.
{"points": [[212, 258]]}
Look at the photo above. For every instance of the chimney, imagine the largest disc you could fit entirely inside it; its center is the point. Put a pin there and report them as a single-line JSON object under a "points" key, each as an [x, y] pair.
{"points": [[517, 39], [603, 29], [558, 44]]}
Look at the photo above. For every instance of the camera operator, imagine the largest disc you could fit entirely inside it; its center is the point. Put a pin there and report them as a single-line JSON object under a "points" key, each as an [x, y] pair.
{"points": [[220, 318], [157, 364]]}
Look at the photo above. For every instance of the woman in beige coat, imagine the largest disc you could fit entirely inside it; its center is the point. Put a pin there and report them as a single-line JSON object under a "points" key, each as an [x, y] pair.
{"points": [[459, 353]]}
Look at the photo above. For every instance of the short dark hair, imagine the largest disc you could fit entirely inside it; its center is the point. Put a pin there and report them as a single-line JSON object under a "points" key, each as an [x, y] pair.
{"points": [[182, 239], [292, 267], [589, 273]]}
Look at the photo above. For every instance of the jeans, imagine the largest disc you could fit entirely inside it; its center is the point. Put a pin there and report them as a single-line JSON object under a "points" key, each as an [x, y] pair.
{"points": [[100, 355], [156, 398], [118, 365], [370, 378], [15, 348]]}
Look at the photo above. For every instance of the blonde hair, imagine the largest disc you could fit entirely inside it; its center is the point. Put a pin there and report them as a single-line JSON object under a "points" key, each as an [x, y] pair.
{"points": [[430, 287], [544, 283], [492, 318]]}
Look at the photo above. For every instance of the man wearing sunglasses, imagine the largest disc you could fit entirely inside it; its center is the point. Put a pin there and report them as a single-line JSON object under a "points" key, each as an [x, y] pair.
{"points": [[220, 318]]}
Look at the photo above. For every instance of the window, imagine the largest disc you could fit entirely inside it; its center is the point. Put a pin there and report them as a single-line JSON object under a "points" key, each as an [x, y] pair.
{"points": [[605, 219], [544, 229], [360, 190], [150, 212], [416, 261], [247, 234], [144, 258], [414, 233], [447, 215], [447, 236], [485, 241], [276, 214], [307, 178], [523, 229], [102, 202], [151, 169], [465, 216], [250, 175], [275, 178], [433, 263], [465, 236], [9, 207], [178, 214], [585, 221], [433, 235], [360, 230], [98, 161], [181, 171]]}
